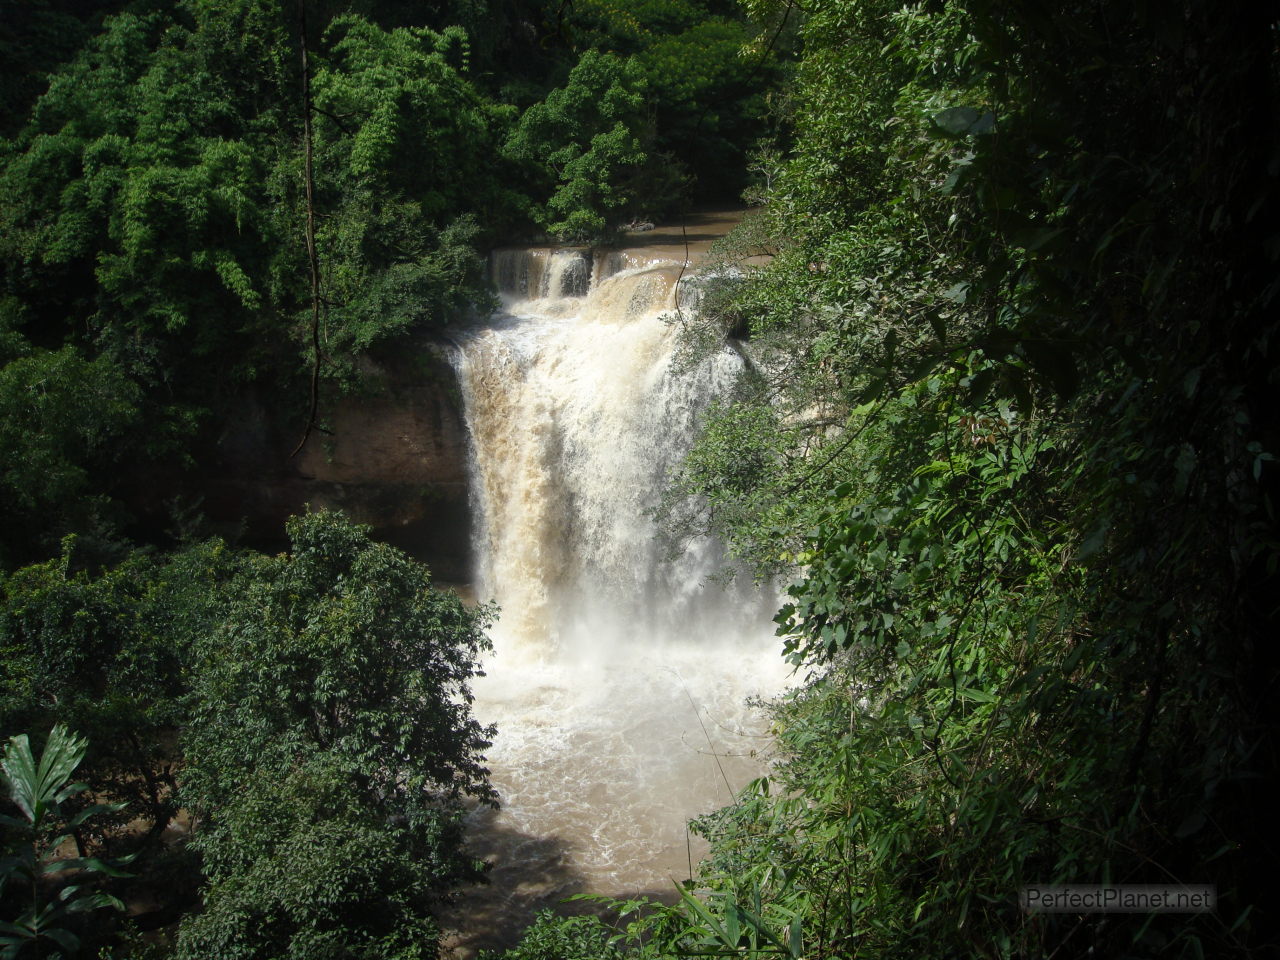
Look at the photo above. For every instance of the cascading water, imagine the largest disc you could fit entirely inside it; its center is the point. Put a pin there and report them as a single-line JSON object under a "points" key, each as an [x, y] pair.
{"points": [[620, 674]]}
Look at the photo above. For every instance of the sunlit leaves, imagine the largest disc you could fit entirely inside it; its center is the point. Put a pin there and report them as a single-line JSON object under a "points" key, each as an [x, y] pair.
{"points": [[405, 98], [587, 134]]}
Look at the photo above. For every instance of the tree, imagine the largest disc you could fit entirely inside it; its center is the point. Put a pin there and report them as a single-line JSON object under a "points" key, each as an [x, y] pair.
{"points": [[554, 937], [588, 136], [62, 418], [153, 256], [708, 72], [404, 171], [106, 651], [331, 753]]}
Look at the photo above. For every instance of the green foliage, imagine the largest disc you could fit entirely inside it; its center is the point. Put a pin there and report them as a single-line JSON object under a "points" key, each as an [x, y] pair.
{"points": [[330, 751], [588, 135], [707, 72], [135, 176], [553, 937], [404, 153], [163, 163], [60, 415], [136, 235], [1009, 420], [152, 222], [39, 788], [405, 97], [35, 37], [106, 652]]}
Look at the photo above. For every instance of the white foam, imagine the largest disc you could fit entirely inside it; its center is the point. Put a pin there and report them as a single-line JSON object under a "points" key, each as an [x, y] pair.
{"points": [[620, 676]]}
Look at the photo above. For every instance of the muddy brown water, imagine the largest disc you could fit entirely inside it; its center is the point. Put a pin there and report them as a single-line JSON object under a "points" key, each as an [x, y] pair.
{"points": [[621, 674]]}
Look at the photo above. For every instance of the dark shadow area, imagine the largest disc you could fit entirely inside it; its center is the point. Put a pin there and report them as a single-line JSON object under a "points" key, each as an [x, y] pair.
{"points": [[528, 874]]}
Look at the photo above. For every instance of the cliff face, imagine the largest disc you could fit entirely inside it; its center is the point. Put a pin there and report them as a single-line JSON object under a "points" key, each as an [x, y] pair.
{"points": [[396, 460]]}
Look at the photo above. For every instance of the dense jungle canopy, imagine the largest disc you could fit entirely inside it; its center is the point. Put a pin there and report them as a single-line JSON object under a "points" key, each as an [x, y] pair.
{"points": [[1009, 430]]}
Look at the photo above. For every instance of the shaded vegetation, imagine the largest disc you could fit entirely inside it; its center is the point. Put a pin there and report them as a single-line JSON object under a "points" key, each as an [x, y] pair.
{"points": [[309, 713], [1008, 425], [38, 788], [329, 750]]}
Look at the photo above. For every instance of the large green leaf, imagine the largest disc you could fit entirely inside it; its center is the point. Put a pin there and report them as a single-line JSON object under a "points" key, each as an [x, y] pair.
{"points": [[37, 788]]}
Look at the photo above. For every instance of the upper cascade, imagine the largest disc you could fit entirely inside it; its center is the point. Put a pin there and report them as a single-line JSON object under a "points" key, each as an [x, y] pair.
{"points": [[539, 279], [547, 275], [538, 273]]}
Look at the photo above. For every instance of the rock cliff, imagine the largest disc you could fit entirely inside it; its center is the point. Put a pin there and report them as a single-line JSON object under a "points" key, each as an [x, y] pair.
{"points": [[395, 458]]}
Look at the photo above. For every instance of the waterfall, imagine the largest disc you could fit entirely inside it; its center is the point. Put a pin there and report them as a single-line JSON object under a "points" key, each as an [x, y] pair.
{"points": [[577, 413], [620, 672]]}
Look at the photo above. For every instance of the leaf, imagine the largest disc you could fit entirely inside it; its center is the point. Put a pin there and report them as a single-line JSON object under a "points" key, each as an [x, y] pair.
{"points": [[67, 940], [873, 390], [1035, 239], [95, 901], [20, 775], [1239, 921], [956, 121], [1183, 467], [980, 385], [1191, 381], [1191, 825], [732, 927], [1095, 540], [984, 124], [795, 938], [960, 172], [94, 810], [36, 787], [939, 326], [70, 790], [12, 865]]}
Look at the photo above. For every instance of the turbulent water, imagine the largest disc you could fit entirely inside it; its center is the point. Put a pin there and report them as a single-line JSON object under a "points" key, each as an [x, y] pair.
{"points": [[620, 673]]}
